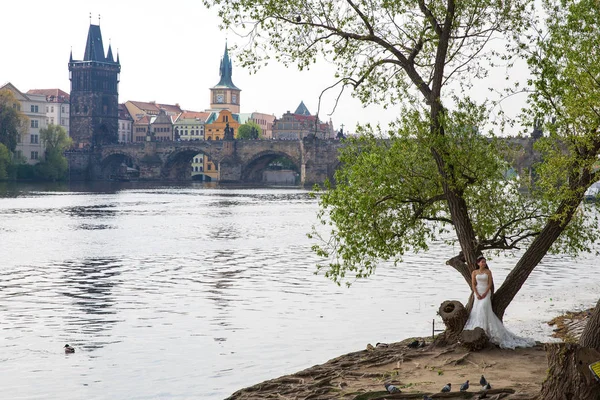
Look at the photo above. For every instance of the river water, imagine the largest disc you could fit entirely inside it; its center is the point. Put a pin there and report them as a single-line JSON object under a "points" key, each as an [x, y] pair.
{"points": [[195, 291]]}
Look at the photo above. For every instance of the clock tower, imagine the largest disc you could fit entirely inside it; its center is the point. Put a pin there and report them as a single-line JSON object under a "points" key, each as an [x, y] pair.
{"points": [[225, 95]]}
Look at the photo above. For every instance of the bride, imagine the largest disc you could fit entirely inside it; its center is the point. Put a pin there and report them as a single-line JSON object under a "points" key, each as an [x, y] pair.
{"points": [[482, 315]]}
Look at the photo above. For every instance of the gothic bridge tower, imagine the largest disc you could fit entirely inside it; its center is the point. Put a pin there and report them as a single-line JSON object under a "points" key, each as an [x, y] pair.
{"points": [[94, 108], [225, 95]]}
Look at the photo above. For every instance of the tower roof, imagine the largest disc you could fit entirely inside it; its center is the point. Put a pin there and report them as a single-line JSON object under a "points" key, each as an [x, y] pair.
{"points": [[94, 48], [225, 71], [302, 110]]}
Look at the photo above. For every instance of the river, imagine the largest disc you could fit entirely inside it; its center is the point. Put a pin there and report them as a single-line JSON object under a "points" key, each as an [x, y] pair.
{"points": [[195, 291]]}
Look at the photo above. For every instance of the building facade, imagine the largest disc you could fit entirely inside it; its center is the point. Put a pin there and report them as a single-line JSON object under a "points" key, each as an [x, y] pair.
{"points": [[189, 125], [94, 112], [125, 125], [57, 109], [300, 124], [30, 148], [161, 127]]}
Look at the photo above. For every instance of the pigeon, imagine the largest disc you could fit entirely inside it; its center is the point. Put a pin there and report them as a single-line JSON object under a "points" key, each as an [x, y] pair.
{"points": [[414, 344], [482, 381], [423, 344], [487, 386], [447, 388], [391, 388], [464, 386], [69, 349], [425, 397]]}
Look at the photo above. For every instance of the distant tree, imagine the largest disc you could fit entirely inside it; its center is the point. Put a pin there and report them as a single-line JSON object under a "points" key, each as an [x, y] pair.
{"points": [[249, 130], [4, 161], [13, 122], [54, 166], [55, 137]]}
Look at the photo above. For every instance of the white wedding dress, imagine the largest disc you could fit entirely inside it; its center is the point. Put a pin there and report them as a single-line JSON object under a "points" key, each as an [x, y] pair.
{"points": [[482, 316]]}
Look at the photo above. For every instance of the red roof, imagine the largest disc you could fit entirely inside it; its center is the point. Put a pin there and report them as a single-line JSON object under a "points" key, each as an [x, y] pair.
{"points": [[52, 95], [203, 116]]}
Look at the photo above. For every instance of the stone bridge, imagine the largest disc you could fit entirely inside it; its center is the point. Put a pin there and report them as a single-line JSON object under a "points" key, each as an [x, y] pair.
{"points": [[235, 160]]}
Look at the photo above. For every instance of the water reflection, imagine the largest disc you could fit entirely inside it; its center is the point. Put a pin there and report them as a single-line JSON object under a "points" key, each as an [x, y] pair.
{"points": [[89, 284], [91, 211]]}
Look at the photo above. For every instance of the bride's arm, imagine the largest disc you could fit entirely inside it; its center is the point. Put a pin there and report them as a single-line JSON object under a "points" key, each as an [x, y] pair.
{"points": [[490, 283], [474, 285]]}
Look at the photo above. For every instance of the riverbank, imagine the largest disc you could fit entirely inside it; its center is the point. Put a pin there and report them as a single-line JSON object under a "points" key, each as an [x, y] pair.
{"points": [[361, 375]]}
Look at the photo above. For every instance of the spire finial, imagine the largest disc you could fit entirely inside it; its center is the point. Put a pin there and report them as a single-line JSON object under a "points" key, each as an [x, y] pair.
{"points": [[90, 17], [98, 19]]}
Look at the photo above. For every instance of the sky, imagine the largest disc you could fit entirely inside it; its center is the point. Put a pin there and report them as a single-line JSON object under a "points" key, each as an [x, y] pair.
{"points": [[169, 52]]}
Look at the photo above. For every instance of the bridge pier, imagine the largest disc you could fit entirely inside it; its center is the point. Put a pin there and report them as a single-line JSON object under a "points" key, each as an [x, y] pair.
{"points": [[83, 165]]}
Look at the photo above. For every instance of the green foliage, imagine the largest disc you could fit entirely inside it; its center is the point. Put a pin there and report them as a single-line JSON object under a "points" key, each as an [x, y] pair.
{"points": [[249, 130], [55, 138], [437, 176], [4, 162], [565, 67], [12, 120]]}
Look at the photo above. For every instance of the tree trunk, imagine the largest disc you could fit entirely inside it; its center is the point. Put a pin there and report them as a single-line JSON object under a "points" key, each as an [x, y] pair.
{"points": [[474, 339], [569, 376], [455, 316], [591, 334]]}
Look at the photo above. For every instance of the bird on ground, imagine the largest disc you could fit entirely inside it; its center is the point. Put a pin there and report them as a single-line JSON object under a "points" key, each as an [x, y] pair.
{"points": [[391, 388], [414, 344], [423, 344], [487, 386], [464, 386], [482, 381], [381, 345], [447, 388], [69, 349], [425, 397]]}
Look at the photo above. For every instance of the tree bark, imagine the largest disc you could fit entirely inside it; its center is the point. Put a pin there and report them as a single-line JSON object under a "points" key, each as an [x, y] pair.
{"points": [[455, 316], [474, 339], [569, 377], [591, 333]]}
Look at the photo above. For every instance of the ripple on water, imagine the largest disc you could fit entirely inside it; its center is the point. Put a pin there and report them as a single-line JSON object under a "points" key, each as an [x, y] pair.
{"points": [[158, 282]]}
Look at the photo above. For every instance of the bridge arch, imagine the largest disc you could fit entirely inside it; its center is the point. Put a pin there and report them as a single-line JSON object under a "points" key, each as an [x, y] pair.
{"points": [[253, 171], [119, 165], [178, 165]]}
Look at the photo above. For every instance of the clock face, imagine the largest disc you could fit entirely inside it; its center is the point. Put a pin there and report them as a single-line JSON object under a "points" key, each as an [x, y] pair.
{"points": [[219, 98]]}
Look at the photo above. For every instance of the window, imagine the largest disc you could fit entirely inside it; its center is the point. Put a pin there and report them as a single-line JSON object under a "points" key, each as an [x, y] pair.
{"points": [[52, 121], [34, 109], [46, 108], [34, 139], [233, 98], [62, 109], [208, 167], [62, 121], [34, 123], [34, 155], [51, 108]]}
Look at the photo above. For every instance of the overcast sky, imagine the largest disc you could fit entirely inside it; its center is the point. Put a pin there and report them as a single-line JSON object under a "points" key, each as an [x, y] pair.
{"points": [[169, 51]]}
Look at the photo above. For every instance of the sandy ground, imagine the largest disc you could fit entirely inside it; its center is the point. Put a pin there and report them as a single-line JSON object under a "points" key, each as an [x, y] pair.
{"points": [[513, 374]]}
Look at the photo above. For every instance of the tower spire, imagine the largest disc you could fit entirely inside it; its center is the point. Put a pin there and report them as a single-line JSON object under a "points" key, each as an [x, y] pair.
{"points": [[225, 70]]}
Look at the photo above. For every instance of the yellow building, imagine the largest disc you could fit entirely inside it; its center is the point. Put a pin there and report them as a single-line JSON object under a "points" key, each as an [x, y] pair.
{"points": [[214, 129]]}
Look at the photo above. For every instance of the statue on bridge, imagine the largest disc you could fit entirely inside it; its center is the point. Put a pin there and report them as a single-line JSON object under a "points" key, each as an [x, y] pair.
{"points": [[228, 132]]}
